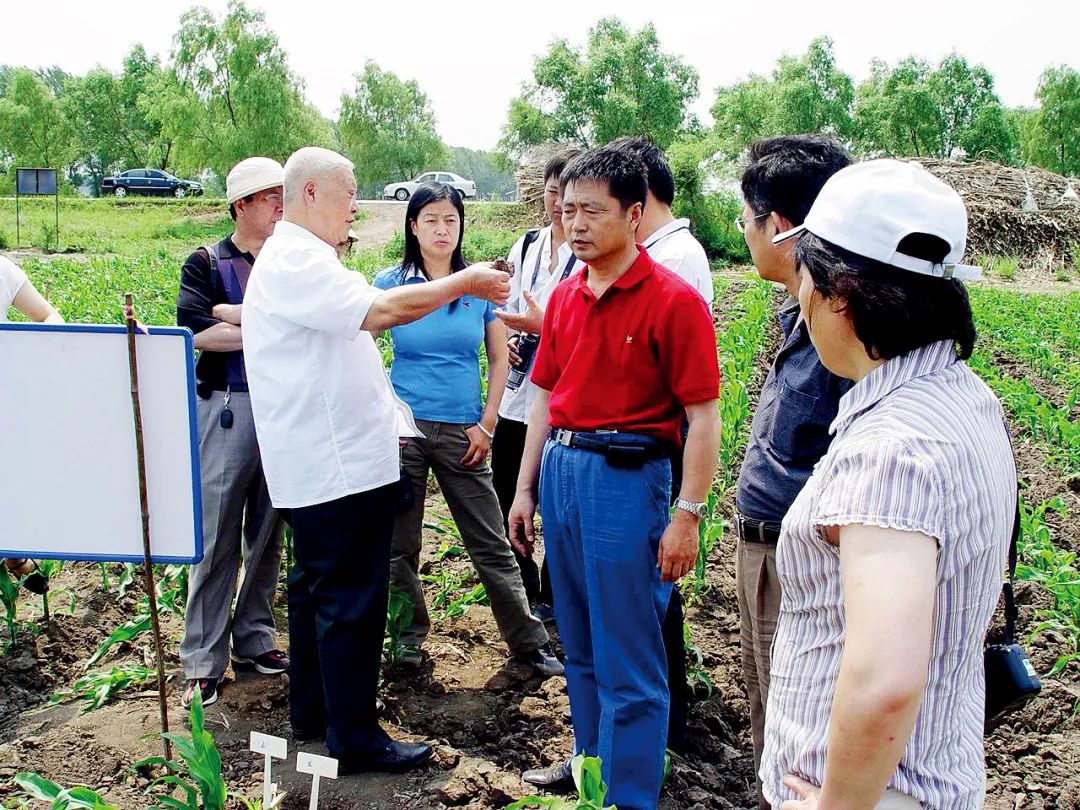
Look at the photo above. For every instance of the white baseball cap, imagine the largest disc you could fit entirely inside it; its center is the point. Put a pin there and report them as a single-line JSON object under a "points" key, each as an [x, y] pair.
{"points": [[251, 175], [868, 208]]}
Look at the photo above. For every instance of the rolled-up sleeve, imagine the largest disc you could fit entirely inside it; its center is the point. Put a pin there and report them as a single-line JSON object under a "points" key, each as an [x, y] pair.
{"points": [[195, 301]]}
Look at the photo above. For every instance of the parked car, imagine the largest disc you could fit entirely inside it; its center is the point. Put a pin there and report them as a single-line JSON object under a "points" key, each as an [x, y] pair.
{"points": [[149, 181], [402, 191]]}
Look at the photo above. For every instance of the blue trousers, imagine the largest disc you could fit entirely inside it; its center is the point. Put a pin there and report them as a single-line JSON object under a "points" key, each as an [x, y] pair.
{"points": [[602, 529]]}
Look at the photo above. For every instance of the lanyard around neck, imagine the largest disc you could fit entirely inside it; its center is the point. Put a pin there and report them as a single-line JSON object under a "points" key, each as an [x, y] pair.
{"points": [[659, 239]]}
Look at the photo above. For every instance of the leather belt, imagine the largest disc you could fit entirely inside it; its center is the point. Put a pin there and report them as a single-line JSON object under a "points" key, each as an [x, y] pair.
{"points": [[756, 531], [604, 441]]}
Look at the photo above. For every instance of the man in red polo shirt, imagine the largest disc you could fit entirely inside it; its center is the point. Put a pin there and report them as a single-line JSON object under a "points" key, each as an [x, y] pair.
{"points": [[627, 348]]}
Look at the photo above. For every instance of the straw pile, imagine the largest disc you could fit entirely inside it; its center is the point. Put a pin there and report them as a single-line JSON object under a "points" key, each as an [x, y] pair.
{"points": [[1001, 221]]}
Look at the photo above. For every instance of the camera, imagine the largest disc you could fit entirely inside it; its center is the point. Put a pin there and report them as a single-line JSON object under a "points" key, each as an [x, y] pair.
{"points": [[526, 350]]}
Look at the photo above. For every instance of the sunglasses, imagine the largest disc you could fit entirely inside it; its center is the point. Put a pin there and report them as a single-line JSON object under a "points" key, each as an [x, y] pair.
{"points": [[740, 222]]}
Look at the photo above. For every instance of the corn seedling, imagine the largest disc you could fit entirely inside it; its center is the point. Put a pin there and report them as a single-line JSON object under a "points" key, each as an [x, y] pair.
{"points": [[476, 595], [123, 634], [1055, 570], [45, 790], [450, 545], [98, 688], [197, 771], [400, 612], [590, 786], [9, 597], [696, 674]]}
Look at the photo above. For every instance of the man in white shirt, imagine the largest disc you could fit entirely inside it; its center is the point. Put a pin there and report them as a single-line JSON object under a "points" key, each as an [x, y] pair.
{"points": [[327, 423], [542, 259], [668, 240]]}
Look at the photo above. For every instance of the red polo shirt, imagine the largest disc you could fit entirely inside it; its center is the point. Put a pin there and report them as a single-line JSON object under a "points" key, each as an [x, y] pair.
{"points": [[631, 360]]}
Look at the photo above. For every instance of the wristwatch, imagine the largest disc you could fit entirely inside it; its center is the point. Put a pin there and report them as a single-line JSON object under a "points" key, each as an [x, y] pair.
{"points": [[695, 508]]}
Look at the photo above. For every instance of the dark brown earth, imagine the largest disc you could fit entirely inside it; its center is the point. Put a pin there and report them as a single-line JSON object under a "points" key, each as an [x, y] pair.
{"points": [[487, 717]]}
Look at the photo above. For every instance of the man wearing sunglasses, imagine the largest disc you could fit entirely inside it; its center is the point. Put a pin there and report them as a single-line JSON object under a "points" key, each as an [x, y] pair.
{"points": [[239, 523]]}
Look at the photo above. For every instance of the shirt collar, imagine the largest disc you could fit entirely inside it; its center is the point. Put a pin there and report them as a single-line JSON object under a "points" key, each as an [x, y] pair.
{"points": [[641, 269], [889, 376], [291, 229], [671, 227]]}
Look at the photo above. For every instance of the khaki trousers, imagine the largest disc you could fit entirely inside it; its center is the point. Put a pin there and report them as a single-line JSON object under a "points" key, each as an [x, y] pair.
{"points": [[758, 592]]}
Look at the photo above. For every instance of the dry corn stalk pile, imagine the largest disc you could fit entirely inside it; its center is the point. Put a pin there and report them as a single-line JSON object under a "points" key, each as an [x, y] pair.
{"points": [[998, 225], [530, 177]]}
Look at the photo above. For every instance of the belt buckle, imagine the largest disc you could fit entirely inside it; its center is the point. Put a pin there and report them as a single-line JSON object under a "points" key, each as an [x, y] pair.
{"points": [[563, 437]]}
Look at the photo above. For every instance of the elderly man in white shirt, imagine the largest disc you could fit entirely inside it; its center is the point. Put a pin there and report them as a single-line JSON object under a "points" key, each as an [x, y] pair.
{"points": [[327, 423]]}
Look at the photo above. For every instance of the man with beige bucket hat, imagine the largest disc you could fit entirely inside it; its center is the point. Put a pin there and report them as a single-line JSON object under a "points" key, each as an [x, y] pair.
{"points": [[239, 523]]}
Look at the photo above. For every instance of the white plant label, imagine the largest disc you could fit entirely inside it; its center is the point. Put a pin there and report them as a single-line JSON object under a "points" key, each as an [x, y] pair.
{"points": [[318, 767], [271, 748]]}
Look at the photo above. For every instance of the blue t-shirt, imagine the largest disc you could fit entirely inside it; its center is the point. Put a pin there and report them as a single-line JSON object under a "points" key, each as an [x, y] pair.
{"points": [[436, 368]]}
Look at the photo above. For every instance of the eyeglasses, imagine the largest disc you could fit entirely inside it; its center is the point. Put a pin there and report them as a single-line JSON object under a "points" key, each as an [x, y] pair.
{"points": [[740, 222]]}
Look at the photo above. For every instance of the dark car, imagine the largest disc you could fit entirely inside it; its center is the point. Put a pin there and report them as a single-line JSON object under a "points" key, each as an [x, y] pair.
{"points": [[149, 181]]}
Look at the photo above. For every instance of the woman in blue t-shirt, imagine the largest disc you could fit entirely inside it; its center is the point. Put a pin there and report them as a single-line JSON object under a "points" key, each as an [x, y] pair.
{"points": [[436, 370]]}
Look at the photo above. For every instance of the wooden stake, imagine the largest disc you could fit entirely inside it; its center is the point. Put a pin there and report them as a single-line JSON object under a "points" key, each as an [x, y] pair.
{"points": [[144, 504]]}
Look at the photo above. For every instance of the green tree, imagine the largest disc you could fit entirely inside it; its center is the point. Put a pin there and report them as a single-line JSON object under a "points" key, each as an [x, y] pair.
{"points": [[913, 109], [896, 113], [33, 129], [621, 83], [230, 94], [108, 114], [807, 93], [811, 94], [387, 128], [1051, 133]]}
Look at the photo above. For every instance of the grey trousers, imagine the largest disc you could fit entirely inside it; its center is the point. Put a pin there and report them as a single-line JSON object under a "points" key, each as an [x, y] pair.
{"points": [[240, 527], [470, 494]]}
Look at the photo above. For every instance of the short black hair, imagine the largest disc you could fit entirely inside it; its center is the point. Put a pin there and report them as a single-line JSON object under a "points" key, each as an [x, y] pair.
{"points": [[785, 174], [232, 205], [661, 180], [624, 173], [556, 163], [892, 311]]}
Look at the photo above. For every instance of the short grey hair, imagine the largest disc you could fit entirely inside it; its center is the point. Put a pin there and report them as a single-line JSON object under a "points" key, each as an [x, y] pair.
{"points": [[311, 163]]}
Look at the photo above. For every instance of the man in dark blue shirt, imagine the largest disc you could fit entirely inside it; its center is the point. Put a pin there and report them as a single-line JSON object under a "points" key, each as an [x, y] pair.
{"points": [[798, 402]]}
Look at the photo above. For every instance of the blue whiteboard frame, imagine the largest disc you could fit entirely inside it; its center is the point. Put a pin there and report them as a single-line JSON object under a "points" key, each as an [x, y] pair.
{"points": [[196, 467]]}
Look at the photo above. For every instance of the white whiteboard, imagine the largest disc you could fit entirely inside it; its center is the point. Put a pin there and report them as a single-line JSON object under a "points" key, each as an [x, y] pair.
{"points": [[69, 485]]}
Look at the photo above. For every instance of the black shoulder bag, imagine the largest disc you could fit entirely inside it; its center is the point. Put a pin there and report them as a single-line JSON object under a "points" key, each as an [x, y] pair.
{"points": [[1010, 678]]}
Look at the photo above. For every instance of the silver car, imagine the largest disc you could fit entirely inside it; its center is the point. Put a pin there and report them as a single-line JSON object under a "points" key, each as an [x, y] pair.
{"points": [[402, 191]]}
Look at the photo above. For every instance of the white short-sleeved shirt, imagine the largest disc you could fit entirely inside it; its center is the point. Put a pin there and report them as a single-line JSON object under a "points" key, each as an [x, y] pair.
{"points": [[674, 247], [325, 414], [12, 279], [532, 272]]}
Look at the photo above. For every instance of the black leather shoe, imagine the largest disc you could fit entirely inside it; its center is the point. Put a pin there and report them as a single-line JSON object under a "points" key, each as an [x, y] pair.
{"points": [[396, 757], [303, 735], [557, 778]]}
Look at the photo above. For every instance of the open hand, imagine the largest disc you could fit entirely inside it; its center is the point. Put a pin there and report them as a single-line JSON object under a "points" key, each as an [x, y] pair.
{"points": [[531, 320]]}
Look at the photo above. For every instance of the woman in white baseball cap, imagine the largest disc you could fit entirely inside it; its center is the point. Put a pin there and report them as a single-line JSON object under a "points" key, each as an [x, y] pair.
{"points": [[890, 559]]}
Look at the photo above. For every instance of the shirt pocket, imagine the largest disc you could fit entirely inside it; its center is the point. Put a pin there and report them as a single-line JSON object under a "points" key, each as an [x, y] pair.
{"points": [[799, 431]]}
